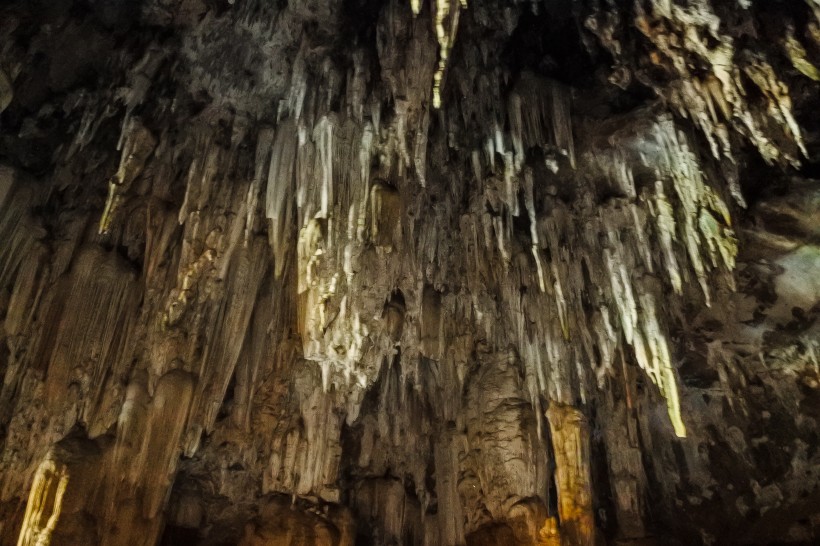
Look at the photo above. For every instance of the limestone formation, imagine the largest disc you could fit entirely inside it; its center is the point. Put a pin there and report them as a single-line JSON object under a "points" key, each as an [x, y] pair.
{"points": [[417, 273]]}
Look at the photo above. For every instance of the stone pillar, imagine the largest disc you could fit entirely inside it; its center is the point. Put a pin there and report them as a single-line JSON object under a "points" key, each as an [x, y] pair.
{"points": [[57, 512], [570, 442]]}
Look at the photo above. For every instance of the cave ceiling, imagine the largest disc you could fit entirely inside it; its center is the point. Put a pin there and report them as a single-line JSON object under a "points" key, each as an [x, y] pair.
{"points": [[409, 272]]}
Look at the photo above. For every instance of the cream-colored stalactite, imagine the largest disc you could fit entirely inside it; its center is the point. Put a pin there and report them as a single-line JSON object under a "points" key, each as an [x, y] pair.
{"points": [[365, 154], [139, 144], [642, 331], [780, 102], [323, 135], [309, 250], [264, 144], [797, 55], [44, 504], [279, 191], [189, 279], [560, 301], [702, 221], [658, 362], [529, 204], [662, 209], [688, 31], [622, 293]]}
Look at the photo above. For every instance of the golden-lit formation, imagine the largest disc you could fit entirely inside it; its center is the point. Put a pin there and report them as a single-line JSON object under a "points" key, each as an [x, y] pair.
{"points": [[550, 533], [570, 443], [45, 502], [446, 25]]}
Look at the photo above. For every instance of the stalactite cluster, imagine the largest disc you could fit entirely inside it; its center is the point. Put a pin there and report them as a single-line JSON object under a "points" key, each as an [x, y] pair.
{"points": [[352, 272]]}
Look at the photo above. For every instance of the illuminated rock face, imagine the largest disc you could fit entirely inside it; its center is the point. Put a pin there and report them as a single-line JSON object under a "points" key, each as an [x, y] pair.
{"points": [[570, 442], [353, 272]]}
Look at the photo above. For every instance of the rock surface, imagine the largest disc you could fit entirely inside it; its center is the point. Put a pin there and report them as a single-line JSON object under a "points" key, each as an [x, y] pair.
{"points": [[391, 272]]}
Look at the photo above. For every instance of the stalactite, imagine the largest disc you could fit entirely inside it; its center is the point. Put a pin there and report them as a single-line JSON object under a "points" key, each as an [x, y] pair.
{"points": [[44, 504], [56, 512], [319, 309], [676, 32], [445, 22], [138, 145], [570, 441]]}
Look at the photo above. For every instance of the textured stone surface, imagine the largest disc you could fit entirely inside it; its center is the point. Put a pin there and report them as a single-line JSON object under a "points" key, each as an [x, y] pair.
{"points": [[258, 287]]}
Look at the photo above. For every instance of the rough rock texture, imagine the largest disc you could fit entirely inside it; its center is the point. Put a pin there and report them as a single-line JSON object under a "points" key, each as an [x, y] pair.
{"points": [[391, 272]]}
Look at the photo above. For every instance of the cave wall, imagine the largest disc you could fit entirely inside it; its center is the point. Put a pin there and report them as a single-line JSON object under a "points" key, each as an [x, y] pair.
{"points": [[420, 273]]}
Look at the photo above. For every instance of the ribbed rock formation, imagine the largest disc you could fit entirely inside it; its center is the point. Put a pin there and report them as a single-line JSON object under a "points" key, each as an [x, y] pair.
{"points": [[420, 273]]}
